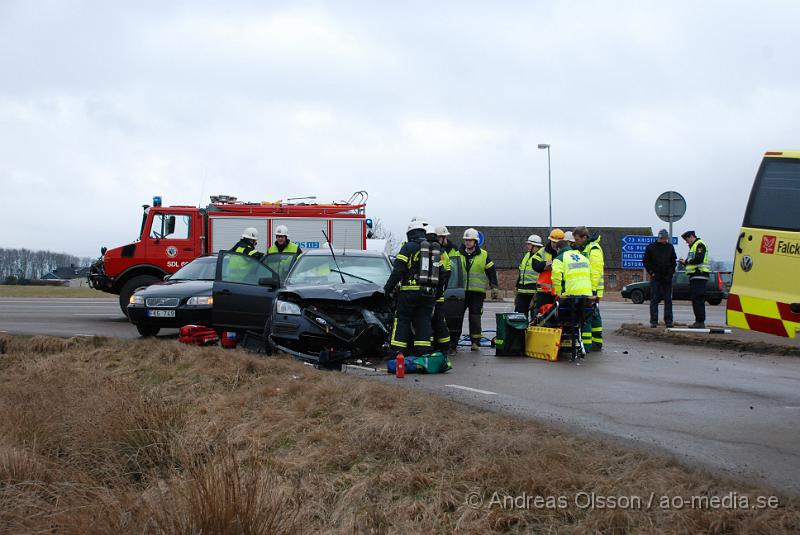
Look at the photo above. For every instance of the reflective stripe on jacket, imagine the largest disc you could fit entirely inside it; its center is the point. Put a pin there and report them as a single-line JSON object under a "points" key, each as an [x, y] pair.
{"points": [[572, 274]]}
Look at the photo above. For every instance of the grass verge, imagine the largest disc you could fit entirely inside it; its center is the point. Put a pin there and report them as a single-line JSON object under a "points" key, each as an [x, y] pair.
{"points": [[49, 291], [225, 442]]}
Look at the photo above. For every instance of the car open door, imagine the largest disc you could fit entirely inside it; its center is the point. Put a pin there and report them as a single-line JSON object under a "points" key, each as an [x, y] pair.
{"points": [[454, 301], [280, 263], [244, 289]]}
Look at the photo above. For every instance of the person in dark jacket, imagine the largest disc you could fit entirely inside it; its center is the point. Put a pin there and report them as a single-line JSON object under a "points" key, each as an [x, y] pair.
{"points": [[659, 261]]}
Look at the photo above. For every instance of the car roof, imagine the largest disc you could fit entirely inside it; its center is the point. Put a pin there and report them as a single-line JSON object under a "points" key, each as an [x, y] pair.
{"points": [[343, 252]]}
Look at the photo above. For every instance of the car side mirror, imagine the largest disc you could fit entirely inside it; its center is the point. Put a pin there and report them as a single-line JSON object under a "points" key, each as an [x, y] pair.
{"points": [[166, 277], [269, 282]]}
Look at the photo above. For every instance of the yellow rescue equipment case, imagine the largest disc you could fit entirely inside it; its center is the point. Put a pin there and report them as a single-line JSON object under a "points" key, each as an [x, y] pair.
{"points": [[542, 343]]}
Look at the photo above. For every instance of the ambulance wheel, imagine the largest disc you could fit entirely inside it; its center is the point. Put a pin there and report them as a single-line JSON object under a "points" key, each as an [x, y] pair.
{"points": [[637, 296], [147, 331], [129, 287]]}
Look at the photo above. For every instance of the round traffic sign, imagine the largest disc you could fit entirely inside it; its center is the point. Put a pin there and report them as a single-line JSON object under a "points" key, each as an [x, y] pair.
{"points": [[670, 206]]}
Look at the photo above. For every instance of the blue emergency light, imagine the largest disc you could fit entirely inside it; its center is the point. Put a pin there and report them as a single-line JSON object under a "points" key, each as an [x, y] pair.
{"points": [[157, 200], [368, 222]]}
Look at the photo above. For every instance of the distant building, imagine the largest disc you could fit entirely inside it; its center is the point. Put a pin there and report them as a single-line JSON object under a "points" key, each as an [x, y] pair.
{"points": [[506, 246]]}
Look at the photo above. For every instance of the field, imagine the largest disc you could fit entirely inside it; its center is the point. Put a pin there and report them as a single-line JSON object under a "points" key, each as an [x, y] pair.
{"points": [[102, 436], [49, 291]]}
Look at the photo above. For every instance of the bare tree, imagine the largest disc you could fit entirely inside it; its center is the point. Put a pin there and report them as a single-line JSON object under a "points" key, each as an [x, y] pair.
{"points": [[381, 232]]}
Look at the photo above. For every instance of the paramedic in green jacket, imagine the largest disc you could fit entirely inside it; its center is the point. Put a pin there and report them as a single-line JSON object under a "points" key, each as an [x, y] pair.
{"points": [[479, 276], [590, 247], [572, 275]]}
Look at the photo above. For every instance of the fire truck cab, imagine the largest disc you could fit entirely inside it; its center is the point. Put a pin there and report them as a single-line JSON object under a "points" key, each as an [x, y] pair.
{"points": [[172, 236]]}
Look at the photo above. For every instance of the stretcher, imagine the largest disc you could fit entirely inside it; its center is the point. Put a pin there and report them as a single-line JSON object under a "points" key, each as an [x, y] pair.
{"points": [[569, 313]]}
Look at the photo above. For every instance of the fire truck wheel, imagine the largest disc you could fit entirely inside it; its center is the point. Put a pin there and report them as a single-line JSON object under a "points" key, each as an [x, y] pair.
{"points": [[147, 331], [131, 286]]}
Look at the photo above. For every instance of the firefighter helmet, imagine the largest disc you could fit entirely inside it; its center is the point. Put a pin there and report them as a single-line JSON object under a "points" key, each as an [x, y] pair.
{"points": [[470, 234], [442, 231], [250, 233], [535, 239], [416, 224], [568, 236], [556, 235], [282, 230]]}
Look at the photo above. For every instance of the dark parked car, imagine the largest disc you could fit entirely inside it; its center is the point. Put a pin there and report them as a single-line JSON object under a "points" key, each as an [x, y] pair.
{"points": [[183, 299], [716, 291]]}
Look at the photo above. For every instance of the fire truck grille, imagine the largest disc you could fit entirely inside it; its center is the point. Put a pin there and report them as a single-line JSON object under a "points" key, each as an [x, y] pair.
{"points": [[161, 302]]}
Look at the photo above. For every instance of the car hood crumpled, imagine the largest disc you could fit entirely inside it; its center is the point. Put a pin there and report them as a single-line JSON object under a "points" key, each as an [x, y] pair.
{"points": [[338, 292]]}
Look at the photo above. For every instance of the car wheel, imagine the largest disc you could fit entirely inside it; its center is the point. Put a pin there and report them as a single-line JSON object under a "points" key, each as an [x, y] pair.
{"points": [[714, 302], [147, 330], [129, 287], [637, 296]]}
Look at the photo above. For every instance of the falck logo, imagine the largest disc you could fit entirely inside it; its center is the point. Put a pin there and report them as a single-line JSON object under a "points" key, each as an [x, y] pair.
{"points": [[768, 244]]}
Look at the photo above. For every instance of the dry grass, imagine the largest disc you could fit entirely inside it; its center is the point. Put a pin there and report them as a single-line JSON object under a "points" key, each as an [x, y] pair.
{"points": [[49, 291], [100, 436]]}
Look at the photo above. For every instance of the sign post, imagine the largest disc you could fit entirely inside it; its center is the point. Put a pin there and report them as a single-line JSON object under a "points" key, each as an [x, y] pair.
{"points": [[670, 207]]}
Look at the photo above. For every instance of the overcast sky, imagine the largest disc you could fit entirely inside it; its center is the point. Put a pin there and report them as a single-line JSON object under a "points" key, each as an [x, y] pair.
{"points": [[434, 108]]}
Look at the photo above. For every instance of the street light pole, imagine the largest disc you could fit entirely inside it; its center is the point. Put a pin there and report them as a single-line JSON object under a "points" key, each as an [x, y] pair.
{"points": [[549, 184]]}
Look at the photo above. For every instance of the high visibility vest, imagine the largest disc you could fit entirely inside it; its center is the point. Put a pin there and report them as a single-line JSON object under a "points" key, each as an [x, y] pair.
{"points": [[705, 267], [594, 253], [526, 282], [544, 283], [288, 256], [238, 267], [475, 278], [572, 274]]}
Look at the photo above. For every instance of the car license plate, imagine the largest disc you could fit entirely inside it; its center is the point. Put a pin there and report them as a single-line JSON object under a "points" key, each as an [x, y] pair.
{"points": [[161, 313]]}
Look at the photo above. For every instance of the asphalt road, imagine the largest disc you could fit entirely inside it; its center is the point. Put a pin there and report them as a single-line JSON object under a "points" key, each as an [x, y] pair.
{"points": [[730, 412]]}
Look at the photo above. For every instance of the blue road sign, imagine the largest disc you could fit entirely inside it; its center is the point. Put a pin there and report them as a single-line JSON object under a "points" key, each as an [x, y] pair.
{"points": [[632, 264], [643, 240], [633, 248]]}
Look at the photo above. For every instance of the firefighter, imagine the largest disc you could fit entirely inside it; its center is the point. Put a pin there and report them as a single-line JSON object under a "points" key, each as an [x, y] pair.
{"points": [[544, 284], [247, 244], [283, 246], [415, 301], [479, 274], [526, 280], [572, 275], [441, 333], [590, 248]]}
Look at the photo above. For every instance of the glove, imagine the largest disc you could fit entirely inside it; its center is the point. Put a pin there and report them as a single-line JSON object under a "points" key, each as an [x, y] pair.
{"points": [[495, 293]]}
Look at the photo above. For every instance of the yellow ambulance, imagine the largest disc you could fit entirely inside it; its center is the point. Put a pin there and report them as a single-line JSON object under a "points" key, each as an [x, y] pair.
{"points": [[765, 295]]}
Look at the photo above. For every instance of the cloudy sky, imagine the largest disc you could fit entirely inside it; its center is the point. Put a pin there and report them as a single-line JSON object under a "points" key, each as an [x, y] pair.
{"points": [[434, 108]]}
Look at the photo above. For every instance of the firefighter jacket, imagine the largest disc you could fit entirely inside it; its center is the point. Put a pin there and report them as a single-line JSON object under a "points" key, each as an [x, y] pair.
{"points": [[406, 267], [594, 253], [527, 277], [478, 269], [572, 274]]}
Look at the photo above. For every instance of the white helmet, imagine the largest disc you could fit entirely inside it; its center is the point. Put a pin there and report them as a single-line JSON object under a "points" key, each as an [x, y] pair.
{"points": [[568, 236], [470, 234], [420, 219], [416, 225], [282, 230], [535, 239], [250, 233], [442, 231]]}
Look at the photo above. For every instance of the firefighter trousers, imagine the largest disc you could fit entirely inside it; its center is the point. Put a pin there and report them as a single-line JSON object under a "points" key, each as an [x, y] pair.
{"points": [[473, 302], [441, 333], [523, 302], [413, 309]]}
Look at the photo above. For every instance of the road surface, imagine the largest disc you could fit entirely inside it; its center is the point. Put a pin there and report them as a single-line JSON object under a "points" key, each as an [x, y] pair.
{"points": [[730, 412]]}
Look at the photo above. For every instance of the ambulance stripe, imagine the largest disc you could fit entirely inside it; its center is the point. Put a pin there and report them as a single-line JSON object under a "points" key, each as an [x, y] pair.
{"points": [[787, 314], [734, 303], [766, 325]]}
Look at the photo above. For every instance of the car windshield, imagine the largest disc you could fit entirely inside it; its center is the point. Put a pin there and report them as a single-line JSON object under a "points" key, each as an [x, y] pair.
{"points": [[319, 269], [202, 269]]}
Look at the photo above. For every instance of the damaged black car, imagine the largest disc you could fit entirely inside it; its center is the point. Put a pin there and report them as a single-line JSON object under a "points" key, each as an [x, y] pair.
{"points": [[332, 308]]}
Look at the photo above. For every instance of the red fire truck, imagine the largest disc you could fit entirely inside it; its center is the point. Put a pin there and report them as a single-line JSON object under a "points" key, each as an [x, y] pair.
{"points": [[173, 236]]}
